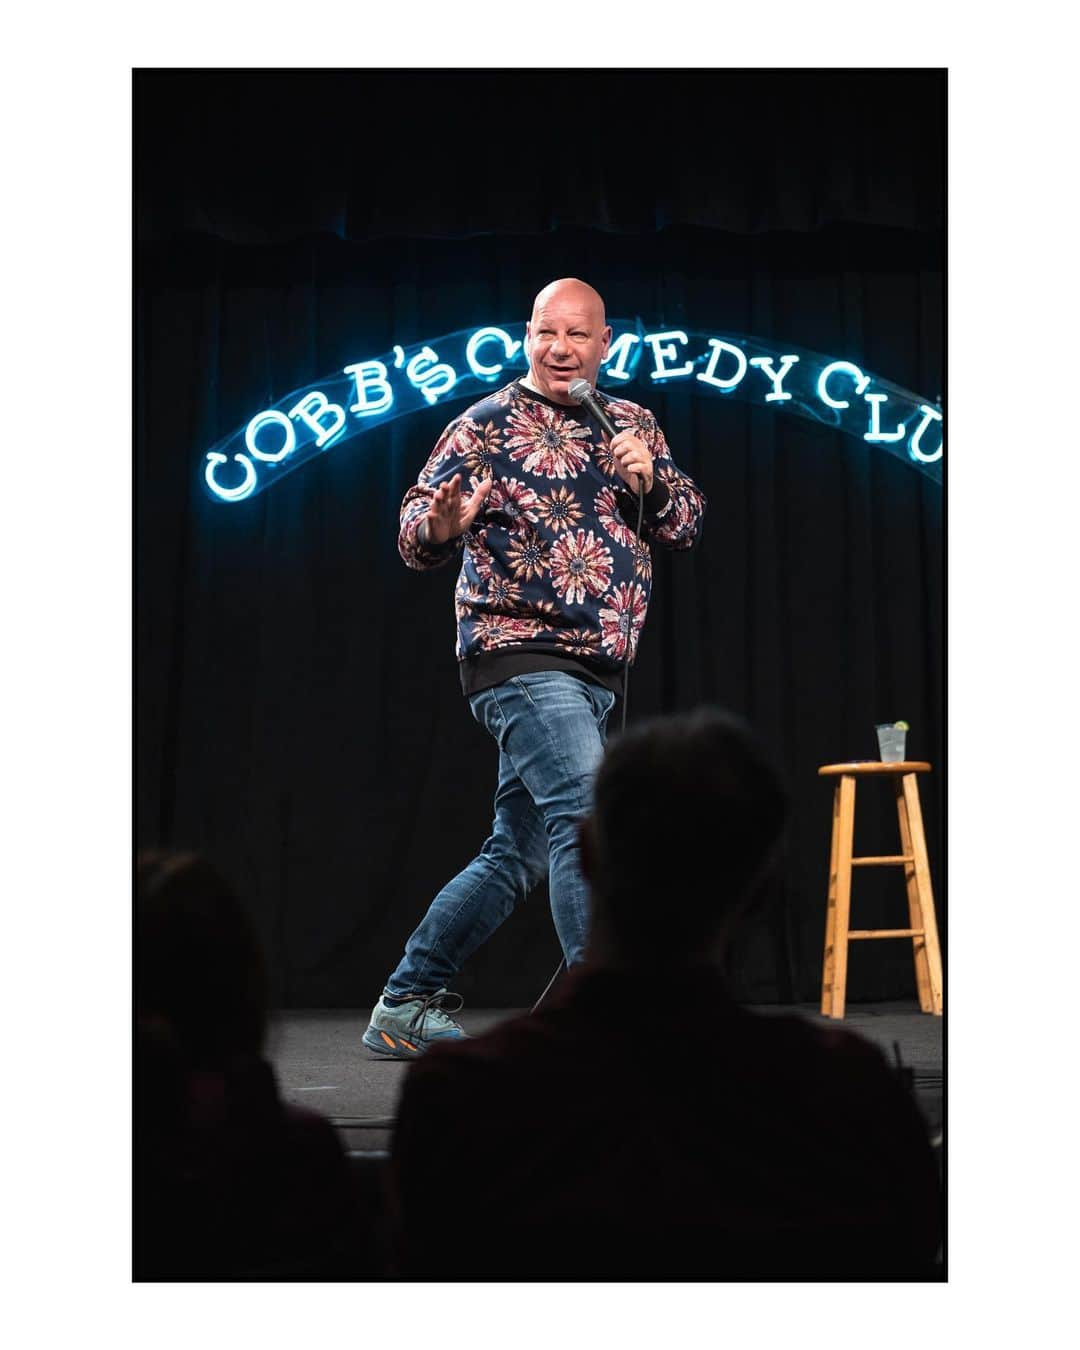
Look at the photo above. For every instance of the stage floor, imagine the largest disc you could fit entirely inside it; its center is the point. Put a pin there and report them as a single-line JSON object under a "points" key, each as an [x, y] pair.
{"points": [[321, 1063]]}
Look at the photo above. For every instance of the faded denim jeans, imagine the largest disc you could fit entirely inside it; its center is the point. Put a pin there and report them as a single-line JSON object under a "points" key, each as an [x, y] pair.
{"points": [[550, 728]]}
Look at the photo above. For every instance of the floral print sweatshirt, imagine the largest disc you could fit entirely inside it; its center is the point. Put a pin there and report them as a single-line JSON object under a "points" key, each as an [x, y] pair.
{"points": [[553, 576]]}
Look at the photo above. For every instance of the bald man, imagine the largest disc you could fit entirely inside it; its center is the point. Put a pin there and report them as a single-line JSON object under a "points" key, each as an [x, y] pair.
{"points": [[540, 505]]}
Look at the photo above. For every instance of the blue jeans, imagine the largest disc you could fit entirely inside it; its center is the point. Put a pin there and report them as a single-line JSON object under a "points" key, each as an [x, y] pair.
{"points": [[550, 729]]}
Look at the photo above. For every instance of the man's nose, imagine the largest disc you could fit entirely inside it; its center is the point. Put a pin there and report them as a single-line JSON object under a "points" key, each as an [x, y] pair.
{"points": [[560, 347]]}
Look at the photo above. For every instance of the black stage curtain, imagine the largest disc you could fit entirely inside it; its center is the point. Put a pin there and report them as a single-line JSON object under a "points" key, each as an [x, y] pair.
{"points": [[299, 716], [257, 157]]}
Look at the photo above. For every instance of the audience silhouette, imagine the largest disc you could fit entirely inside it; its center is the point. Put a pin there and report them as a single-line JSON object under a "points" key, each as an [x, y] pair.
{"points": [[230, 1182], [641, 1124]]}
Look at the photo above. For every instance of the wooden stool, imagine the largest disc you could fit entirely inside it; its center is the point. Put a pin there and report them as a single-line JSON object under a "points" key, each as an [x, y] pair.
{"points": [[913, 859]]}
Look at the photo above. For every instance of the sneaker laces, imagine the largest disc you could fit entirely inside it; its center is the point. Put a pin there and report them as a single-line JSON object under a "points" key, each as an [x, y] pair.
{"points": [[436, 1007]]}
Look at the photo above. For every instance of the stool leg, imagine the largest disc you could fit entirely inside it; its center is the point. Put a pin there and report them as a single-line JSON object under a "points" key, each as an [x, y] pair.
{"points": [[926, 894], [915, 907], [841, 923], [828, 963]]}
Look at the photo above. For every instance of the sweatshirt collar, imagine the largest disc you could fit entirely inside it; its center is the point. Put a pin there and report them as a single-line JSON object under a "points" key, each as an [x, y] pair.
{"points": [[574, 410]]}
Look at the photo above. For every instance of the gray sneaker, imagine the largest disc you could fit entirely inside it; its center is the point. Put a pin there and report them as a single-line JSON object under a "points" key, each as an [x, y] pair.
{"points": [[411, 1028]]}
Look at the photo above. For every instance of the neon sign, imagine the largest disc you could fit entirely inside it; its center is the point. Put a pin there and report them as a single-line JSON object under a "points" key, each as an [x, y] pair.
{"points": [[836, 393]]}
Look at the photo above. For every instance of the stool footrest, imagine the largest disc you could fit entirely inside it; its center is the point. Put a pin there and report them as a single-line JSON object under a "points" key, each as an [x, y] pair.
{"points": [[893, 861], [885, 932]]}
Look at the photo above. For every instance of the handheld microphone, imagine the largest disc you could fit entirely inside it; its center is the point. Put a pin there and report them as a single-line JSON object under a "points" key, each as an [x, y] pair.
{"points": [[581, 391]]}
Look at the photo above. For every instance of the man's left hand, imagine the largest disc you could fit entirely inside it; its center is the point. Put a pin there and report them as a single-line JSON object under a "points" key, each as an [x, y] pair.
{"points": [[632, 460]]}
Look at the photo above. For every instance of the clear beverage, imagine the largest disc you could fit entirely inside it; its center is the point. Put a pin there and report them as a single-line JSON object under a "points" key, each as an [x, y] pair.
{"points": [[891, 742]]}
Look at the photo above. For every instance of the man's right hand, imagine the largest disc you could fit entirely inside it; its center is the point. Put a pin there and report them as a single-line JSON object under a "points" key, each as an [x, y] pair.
{"points": [[449, 513]]}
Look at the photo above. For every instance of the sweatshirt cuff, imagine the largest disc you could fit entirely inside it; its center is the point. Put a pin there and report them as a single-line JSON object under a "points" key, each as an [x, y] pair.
{"points": [[657, 497], [436, 552]]}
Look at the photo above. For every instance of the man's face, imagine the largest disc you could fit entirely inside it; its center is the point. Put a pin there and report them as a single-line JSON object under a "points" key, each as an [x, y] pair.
{"points": [[566, 339]]}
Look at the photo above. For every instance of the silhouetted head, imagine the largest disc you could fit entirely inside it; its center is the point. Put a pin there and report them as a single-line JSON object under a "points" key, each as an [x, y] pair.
{"points": [[686, 818], [199, 975]]}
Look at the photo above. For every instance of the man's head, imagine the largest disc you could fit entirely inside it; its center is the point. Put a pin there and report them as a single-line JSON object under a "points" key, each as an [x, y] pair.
{"points": [[566, 338], [687, 815]]}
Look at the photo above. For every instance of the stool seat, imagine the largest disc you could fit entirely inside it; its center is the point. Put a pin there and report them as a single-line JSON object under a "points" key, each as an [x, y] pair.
{"points": [[858, 767], [922, 929]]}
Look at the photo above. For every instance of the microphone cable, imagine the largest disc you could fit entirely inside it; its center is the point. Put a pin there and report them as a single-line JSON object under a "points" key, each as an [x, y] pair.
{"points": [[625, 690], [629, 614]]}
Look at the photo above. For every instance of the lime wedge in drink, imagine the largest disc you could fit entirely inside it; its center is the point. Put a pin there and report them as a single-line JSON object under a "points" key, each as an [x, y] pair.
{"points": [[901, 726]]}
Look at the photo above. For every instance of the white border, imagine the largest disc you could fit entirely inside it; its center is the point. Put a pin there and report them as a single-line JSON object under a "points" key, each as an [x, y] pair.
{"points": [[1012, 684]]}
